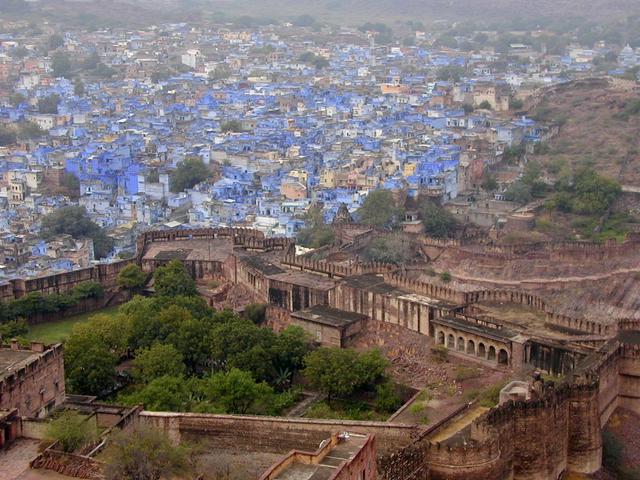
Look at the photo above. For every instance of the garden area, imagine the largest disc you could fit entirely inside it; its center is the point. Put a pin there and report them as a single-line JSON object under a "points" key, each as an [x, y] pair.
{"points": [[172, 352], [60, 330]]}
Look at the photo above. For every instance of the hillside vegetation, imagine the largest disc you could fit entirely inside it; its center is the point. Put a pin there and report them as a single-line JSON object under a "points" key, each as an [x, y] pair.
{"points": [[599, 128]]}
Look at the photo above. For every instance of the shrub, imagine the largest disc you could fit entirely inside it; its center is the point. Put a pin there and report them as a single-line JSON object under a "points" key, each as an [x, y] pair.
{"points": [[387, 400], [445, 277], [465, 373], [440, 353], [70, 430]]}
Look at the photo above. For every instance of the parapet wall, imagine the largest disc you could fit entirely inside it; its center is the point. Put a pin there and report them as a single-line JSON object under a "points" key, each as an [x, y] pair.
{"points": [[105, 274], [246, 237], [332, 270], [273, 434]]}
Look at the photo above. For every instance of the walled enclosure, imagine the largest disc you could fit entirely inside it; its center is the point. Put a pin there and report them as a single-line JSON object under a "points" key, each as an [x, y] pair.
{"points": [[566, 419]]}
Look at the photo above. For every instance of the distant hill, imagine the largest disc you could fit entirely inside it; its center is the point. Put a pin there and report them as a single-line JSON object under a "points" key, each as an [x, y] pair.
{"points": [[348, 11], [483, 10]]}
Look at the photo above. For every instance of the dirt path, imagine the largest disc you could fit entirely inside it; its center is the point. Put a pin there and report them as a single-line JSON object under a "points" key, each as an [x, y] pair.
{"points": [[455, 426], [601, 276]]}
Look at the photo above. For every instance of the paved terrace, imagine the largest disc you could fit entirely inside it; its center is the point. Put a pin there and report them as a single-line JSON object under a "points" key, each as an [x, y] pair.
{"points": [[323, 470]]}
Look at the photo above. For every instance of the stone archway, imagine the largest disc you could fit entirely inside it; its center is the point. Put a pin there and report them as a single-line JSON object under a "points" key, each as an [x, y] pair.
{"points": [[481, 350], [492, 353], [461, 344], [503, 357], [451, 341], [471, 347], [440, 337]]}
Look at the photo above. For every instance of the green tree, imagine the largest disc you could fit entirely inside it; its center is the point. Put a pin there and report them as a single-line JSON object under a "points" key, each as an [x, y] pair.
{"points": [[78, 88], [132, 278], [387, 400], [49, 104], [193, 341], [157, 361], [231, 126], [221, 72], [30, 131], [173, 279], [255, 312], [489, 182], [91, 61], [146, 454], [391, 248], [76, 222], [55, 41], [237, 392], [61, 65], [241, 344], [71, 183], [163, 394], [518, 192], [437, 221], [485, 105], [317, 233], [104, 71], [332, 371], [515, 104], [379, 209], [16, 99], [289, 350], [71, 430], [89, 368], [8, 136], [19, 52], [594, 194], [92, 352], [450, 73], [188, 173]]}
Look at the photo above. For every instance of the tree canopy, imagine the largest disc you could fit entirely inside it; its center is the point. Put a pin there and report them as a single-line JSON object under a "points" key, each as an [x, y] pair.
{"points": [[173, 280], [437, 221], [132, 278], [146, 454], [390, 248], [379, 209], [75, 221], [49, 104], [317, 233], [61, 65], [8, 136], [70, 430], [189, 173], [157, 361], [340, 372]]}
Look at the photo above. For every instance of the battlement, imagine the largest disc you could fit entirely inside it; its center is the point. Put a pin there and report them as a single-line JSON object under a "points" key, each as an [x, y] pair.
{"points": [[424, 288], [332, 270]]}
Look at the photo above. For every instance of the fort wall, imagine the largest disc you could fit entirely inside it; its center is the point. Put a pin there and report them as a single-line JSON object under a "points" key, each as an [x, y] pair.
{"points": [[273, 434]]}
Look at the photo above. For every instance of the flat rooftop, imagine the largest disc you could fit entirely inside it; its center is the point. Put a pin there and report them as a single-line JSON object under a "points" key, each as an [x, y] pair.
{"points": [[325, 469], [261, 264], [374, 282], [217, 249], [522, 319], [328, 316], [304, 279], [13, 360], [501, 334]]}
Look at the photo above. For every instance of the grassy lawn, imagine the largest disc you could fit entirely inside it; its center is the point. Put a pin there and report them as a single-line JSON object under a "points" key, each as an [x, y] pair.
{"points": [[345, 410], [54, 332]]}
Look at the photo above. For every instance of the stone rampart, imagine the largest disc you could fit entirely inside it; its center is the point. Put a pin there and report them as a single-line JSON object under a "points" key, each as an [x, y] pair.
{"points": [[273, 434]]}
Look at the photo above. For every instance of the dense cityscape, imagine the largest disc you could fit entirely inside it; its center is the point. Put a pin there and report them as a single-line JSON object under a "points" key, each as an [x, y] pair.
{"points": [[289, 248]]}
